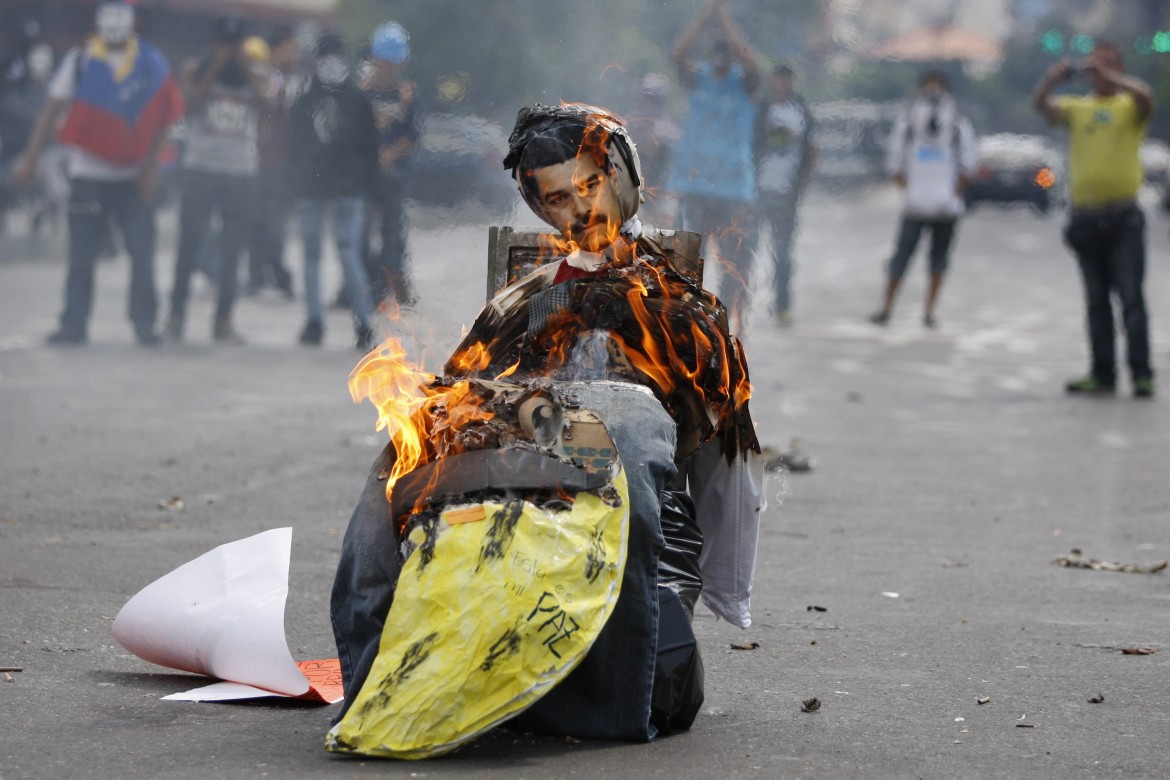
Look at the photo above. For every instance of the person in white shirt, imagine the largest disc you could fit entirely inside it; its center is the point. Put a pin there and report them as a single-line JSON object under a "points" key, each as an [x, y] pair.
{"points": [[932, 153]]}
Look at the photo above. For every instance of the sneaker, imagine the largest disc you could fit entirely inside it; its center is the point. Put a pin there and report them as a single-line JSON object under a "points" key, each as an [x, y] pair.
{"points": [[1090, 385], [313, 333], [1143, 387], [65, 337], [224, 333], [928, 321], [879, 318], [364, 338]]}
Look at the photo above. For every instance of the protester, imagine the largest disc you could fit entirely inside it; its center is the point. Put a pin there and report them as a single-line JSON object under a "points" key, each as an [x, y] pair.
{"points": [[278, 58], [394, 112], [786, 154], [932, 153], [1106, 228], [224, 95], [650, 122], [578, 171], [713, 173], [121, 98], [333, 164]]}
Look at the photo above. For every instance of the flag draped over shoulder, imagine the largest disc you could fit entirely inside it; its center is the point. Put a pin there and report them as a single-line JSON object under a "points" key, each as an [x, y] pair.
{"points": [[116, 115]]}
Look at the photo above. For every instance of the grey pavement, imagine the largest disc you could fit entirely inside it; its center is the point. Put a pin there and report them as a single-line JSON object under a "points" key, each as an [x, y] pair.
{"points": [[950, 472]]}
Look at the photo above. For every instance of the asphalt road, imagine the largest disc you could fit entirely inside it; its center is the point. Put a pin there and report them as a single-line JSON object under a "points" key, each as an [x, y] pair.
{"points": [[950, 472]]}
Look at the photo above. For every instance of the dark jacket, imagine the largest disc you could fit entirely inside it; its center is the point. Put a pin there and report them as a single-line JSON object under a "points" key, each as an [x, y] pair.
{"points": [[333, 143]]}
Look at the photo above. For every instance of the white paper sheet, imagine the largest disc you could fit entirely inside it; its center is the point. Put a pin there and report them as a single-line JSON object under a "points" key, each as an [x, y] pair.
{"points": [[221, 615]]}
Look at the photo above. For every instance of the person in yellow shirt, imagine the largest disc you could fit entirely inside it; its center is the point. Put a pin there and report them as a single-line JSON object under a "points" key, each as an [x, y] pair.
{"points": [[1106, 228]]}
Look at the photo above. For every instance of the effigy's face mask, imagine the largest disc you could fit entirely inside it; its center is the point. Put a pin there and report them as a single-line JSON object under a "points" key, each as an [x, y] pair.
{"points": [[580, 199], [114, 23]]}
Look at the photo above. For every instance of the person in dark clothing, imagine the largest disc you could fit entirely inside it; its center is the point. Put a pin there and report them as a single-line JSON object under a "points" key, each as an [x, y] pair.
{"points": [[333, 165], [394, 113], [266, 266], [786, 154], [224, 94]]}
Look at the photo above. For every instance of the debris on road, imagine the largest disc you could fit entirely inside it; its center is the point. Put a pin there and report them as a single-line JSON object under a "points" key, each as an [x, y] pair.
{"points": [[815, 608], [854, 397], [1138, 650], [172, 504], [745, 646], [1025, 726], [891, 594], [1075, 559], [793, 460], [983, 700], [1100, 697], [810, 705]]}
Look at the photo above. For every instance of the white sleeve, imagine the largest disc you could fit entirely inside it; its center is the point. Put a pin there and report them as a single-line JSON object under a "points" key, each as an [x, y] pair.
{"points": [[63, 85], [729, 499], [896, 153]]}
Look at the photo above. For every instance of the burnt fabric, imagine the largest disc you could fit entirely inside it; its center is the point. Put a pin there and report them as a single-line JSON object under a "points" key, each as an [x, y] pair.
{"points": [[655, 315]]}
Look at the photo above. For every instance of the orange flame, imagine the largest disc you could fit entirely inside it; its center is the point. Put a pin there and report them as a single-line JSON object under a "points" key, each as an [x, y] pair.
{"points": [[419, 414]]}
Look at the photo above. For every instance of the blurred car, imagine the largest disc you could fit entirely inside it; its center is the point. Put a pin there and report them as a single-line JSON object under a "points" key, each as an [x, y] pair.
{"points": [[1155, 157], [458, 159], [1016, 169], [851, 138]]}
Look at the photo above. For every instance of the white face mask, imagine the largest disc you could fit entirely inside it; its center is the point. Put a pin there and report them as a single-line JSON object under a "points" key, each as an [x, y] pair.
{"points": [[115, 23], [332, 70]]}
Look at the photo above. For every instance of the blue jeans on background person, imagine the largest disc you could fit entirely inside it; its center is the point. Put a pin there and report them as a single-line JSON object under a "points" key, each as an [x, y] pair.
{"points": [[387, 268], [608, 696], [93, 206], [942, 235], [348, 223], [733, 224], [1111, 251]]}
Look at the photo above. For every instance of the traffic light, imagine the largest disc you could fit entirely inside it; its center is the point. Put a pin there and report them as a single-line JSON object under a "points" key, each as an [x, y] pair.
{"points": [[1082, 44], [1052, 42]]}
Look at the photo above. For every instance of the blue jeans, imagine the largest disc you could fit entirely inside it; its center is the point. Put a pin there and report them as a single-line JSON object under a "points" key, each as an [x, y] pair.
{"points": [[93, 206], [733, 224], [606, 697], [1111, 251], [348, 216], [942, 235], [388, 270]]}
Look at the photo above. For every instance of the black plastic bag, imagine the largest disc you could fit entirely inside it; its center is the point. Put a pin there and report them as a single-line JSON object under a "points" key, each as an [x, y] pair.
{"points": [[678, 566], [678, 668]]}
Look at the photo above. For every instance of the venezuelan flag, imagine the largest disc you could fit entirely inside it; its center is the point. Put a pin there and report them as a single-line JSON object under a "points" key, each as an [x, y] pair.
{"points": [[116, 115]]}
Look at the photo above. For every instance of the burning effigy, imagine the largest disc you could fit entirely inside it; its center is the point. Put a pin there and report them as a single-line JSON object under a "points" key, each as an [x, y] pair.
{"points": [[531, 544]]}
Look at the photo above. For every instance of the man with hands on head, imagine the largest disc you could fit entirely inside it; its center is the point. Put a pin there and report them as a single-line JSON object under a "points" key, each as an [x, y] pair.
{"points": [[1106, 228]]}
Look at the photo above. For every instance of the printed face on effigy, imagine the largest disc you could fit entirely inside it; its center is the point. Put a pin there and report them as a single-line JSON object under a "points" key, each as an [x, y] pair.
{"points": [[580, 200]]}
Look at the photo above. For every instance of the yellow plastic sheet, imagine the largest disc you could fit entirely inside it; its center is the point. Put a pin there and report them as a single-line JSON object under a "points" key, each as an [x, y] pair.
{"points": [[488, 616]]}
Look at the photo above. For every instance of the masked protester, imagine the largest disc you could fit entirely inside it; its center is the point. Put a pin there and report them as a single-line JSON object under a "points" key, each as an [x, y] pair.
{"points": [[579, 172], [394, 111], [277, 58], [1106, 228], [225, 94], [119, 98], [932, 153], [333, 164]]}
